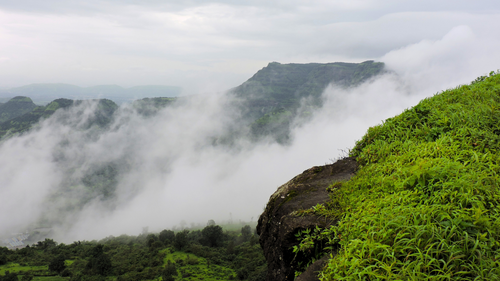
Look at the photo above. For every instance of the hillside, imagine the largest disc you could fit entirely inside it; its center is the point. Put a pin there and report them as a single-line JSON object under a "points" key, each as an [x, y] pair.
{"points": [[267, 104], [98, 179], [274, 97], [15, 107], [207, 253], [26, 121], [45, 93], [424, 203]]}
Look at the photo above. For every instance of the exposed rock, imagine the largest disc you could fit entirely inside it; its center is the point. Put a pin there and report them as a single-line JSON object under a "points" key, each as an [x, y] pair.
{"points": [[311, 274], [277, 227]]}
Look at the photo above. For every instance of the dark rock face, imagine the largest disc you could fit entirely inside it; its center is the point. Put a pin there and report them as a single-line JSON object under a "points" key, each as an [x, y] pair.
{"points": [[311, 273], [277, 227]]}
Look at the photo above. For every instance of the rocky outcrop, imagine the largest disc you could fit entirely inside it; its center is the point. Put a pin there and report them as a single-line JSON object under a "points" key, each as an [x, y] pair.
{"points": [[277, 226]]}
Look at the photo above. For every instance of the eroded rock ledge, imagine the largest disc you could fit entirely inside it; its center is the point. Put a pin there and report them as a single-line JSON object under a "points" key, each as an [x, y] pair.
{"points": [[277, 227]]}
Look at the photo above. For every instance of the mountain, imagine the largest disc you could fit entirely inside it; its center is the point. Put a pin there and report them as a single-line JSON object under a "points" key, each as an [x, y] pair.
{"points": [[264, 108], [276, 95], [15, 107], [45, 93], [268, 103], [22, 123], [150, 106], [418, 198], [95, 146]]}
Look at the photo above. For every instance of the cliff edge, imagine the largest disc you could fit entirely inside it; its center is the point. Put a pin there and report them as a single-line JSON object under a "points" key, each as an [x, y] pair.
{"points": [[278, 224]]}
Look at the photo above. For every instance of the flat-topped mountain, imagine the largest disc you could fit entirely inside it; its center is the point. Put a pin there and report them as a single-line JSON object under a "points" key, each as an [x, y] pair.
{"points": [[272, 98]]}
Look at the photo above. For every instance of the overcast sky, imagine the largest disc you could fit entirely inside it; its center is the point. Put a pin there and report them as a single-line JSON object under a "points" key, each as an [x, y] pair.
{"points": [[206, 46]]}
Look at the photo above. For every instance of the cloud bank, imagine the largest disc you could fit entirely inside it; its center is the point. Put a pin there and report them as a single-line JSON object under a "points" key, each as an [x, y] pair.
{"points": [[168, 168]]}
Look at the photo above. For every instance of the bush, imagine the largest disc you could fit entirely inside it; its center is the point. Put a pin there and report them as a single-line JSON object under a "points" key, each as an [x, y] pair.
{"points": [[57, 264], [192, 260]]}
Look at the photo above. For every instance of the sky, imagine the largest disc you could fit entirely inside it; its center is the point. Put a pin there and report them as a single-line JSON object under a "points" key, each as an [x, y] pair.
{"points": [[173, 173], [206, 46]]}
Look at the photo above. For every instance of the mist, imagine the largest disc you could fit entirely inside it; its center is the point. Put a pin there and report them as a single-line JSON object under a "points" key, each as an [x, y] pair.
{"points": [[170, 169]]}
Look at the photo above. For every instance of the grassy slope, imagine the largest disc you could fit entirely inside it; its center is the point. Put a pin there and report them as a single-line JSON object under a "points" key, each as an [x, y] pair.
{"points": [[192, 267], [23, 269], [425, 204]]}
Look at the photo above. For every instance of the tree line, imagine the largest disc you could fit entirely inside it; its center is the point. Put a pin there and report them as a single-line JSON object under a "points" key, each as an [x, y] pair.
{"points": [[149, 256]]}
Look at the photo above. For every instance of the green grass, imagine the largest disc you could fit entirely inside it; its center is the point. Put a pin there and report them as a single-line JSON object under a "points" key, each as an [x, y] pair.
{"points": [[425, 203], [191, 267], [44, 269], [49, 278], [17, 268]]}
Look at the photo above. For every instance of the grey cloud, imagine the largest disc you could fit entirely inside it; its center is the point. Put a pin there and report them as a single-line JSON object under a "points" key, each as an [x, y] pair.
{"points": [[173, 173], [132, 43]]}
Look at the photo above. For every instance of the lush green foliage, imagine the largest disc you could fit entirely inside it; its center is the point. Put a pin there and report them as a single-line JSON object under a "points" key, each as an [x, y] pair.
{"points": [[22, 123], [425, 203], [233, 255], [151, 106]]}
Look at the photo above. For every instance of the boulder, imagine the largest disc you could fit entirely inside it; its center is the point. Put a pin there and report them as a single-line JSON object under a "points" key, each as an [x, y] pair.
{"points": [[277, 225]]}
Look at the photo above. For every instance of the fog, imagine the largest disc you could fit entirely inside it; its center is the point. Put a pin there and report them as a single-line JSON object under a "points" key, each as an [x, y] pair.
{"points": [[169, 169]]}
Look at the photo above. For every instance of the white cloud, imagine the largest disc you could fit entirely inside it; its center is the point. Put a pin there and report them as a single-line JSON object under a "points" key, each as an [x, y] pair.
{"points": [[172, 173]]}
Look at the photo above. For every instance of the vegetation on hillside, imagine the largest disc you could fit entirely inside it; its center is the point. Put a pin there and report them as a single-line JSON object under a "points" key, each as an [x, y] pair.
{"points": [[151, 106], [24, 122], [269, 102], [207, 254], [425, 203], [272, 99], [45, 93], [15, 107]]}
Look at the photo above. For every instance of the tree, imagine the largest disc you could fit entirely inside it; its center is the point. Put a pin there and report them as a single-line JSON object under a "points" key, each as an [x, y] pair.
{"points": [[254, 240], [246, 232], [9, 276], [169, 272], [156, 245], [47, 244], [181, 240], [167, 236], [212, 235], [3, 259], [57, 264], [151, 238], [27, 277], [230, 248], [99, 263]]}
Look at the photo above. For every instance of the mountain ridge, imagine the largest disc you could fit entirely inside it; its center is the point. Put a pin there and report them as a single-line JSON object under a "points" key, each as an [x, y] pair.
{"points": [[43, 93]]}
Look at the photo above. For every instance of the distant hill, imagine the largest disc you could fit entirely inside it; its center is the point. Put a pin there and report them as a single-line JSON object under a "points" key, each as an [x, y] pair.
{"points": [[44, 93], [271, 99], [22, 123], [265, 106], [268, 103], [15, 107]]}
